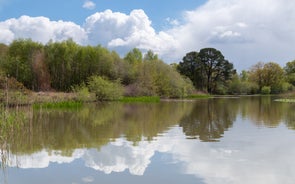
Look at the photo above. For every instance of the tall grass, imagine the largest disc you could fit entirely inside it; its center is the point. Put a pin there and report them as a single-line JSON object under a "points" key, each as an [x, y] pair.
{"points": [[11, 121], [59, 105]]}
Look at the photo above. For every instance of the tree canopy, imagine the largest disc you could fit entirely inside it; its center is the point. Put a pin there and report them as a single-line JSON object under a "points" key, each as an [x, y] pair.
{"points": [[59, 66], [267, 75], [208, 69], [290, 72]]}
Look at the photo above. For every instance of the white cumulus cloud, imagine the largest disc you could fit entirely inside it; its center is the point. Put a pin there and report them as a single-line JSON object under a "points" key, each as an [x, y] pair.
{"points": [[121, 31], [89, 5], [245, 31], [40, 29]]}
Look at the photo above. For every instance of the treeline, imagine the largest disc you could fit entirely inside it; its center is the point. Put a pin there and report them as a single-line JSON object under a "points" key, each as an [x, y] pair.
{"points": [[60, 66], [66, 66], [211, 72]]}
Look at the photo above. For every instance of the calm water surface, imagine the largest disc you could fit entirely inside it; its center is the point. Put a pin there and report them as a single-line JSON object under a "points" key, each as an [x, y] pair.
{"points": [[212, 141]]}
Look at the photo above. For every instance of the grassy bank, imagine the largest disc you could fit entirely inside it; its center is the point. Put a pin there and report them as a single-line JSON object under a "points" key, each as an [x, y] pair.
{"points": [[71, 100]]}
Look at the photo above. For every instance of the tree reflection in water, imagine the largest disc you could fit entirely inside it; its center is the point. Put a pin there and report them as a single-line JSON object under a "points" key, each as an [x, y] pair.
{"points": [[114, 137], [210, 118]]}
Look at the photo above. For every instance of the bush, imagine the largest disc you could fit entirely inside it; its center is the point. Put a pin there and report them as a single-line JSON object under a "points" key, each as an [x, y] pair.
{"points": [[265, 90], [82, 92], [159, 79], [286, 87], [105, 89]]}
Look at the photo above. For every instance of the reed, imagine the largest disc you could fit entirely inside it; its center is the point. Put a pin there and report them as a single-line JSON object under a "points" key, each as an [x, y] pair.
{"points": [[59, 105]]}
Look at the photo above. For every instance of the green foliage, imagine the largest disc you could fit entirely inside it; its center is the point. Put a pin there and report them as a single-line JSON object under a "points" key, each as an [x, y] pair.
{"points": [[217, 70], [143, 99], [61, 65], [3, 50], [159, 79], [290, 72], [105, 89], [150, 56], [134, 56], [132, 62], [20, 60], [82, 92], [266, 90], [287, 87], [10, 121], [241, 85], [269, 74], [58, 105], [71, 64], [208, 70], [189, 68]]}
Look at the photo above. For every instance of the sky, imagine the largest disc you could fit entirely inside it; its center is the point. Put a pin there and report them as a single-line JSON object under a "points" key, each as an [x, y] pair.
{"points": [[246, 32]]}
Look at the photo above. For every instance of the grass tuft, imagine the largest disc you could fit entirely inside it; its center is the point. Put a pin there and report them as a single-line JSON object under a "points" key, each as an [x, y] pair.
{"points": [[59, 105]]}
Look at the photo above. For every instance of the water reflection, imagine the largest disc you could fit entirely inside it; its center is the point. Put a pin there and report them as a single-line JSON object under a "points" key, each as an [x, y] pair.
{"points": [[96, 125], [116, 156], [210, 118], [115, 137]]}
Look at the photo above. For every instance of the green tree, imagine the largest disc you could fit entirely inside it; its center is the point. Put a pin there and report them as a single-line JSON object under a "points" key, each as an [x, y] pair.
{"points": [[269, 74], [3, 50], [273, 76], [134, 56], [60, 58], [3, 55], [21, 60], [266, 90], [218, 70], [191, 68], [290, 72], [158, 78], [133, 60], [208, 70], [150, 55]]}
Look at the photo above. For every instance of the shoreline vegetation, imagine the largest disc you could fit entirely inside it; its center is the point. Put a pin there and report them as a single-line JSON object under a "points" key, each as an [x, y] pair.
{"points": [[65, 73]]}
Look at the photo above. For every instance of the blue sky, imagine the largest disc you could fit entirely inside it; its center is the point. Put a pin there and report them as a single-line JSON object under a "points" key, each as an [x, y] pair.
{"points": [[246, 32], [72, 10]]}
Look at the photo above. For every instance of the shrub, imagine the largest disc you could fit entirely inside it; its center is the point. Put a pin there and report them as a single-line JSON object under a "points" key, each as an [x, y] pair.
{"points": [[159, 79], [105, 89], [82, 92], [265, 90]]}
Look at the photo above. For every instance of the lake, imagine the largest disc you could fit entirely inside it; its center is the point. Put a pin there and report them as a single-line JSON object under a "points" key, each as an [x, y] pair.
{"points": [[207, 141]]}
